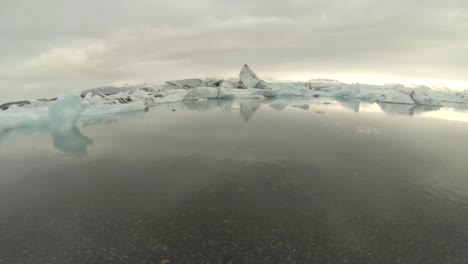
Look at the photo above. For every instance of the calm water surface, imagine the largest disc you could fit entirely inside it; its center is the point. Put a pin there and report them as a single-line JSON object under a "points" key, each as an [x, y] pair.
{"points": [[240, 182]]}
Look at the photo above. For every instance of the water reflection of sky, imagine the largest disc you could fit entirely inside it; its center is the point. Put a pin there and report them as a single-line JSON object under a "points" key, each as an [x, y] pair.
{"points": [[374, 176], [75, 143]]}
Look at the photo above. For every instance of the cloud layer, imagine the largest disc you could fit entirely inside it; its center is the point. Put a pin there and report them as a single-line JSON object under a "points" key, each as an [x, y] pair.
{"points": [[50, 46]]}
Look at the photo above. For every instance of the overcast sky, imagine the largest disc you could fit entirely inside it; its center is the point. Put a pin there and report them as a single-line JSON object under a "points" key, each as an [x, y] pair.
{"points": [[51, 46]]}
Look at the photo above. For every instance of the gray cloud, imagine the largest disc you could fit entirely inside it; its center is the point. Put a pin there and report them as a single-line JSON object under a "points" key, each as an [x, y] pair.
{"points": [[50, 46]]}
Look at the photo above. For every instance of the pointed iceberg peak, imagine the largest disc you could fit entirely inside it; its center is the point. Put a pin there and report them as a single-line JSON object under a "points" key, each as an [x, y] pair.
{"points": [[248, 79]]}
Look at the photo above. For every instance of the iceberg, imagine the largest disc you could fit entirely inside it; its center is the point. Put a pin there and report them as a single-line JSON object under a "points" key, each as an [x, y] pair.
{"points": [[269, 93], [228, 85], [64, 113], [212, 82], [248, 79], [61, 114], [186, 83], [202, 93], [20, 118]]}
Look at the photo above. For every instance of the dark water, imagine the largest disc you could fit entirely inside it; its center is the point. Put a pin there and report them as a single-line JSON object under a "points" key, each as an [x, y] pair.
{"points": [[242, 183]]}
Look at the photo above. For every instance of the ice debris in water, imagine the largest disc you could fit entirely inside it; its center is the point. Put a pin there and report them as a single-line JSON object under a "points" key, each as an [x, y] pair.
{"points": [[20, 117], [207, 93], [59, 115], [111, 100], [64, 113], [248, 79]]}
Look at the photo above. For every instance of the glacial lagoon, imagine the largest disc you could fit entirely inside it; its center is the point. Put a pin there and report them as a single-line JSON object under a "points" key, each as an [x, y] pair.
{"points": [[240, 181]]}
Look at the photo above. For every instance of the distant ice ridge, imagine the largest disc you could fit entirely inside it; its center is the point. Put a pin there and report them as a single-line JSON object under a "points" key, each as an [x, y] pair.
{"points": [[63, 112]]}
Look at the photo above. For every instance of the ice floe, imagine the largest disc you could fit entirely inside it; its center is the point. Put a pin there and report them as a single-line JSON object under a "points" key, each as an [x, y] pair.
{"points": [[61, 114]]}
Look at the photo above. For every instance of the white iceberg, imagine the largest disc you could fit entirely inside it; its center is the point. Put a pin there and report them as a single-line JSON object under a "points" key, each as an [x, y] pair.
{"points": [[248, 79], [20, 117], [395, 96], [249, 89], [60, 116]]}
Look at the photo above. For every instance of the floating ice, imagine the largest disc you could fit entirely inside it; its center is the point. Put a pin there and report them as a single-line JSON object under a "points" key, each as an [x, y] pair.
{"points": [[58, 114], [395, 96], [201, 93], [248, 79], [64, 113], [269, 93], [227, 85], [110, 100], [207, 93], [19, 117]]}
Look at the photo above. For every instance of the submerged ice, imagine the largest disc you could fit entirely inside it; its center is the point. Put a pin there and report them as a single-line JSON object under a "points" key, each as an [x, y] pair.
{"points": [[61, 114]]}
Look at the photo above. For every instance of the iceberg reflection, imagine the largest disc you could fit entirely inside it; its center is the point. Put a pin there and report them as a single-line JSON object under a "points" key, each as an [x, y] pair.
{"points": [[71, 141], [248, 107], [404, 109]]}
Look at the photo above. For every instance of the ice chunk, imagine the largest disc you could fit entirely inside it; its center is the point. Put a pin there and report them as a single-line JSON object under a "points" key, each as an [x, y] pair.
{"points": [[269, 93], [14, 118], [202, 93], [186, 83], [207, 93], [64, 113], [248, 79], [172, 96], [395, 96], [319, 84], [224, 93], [110, 100], [227, 85], [110, 90], [423, 99], [212, 82], [145, 97]]}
